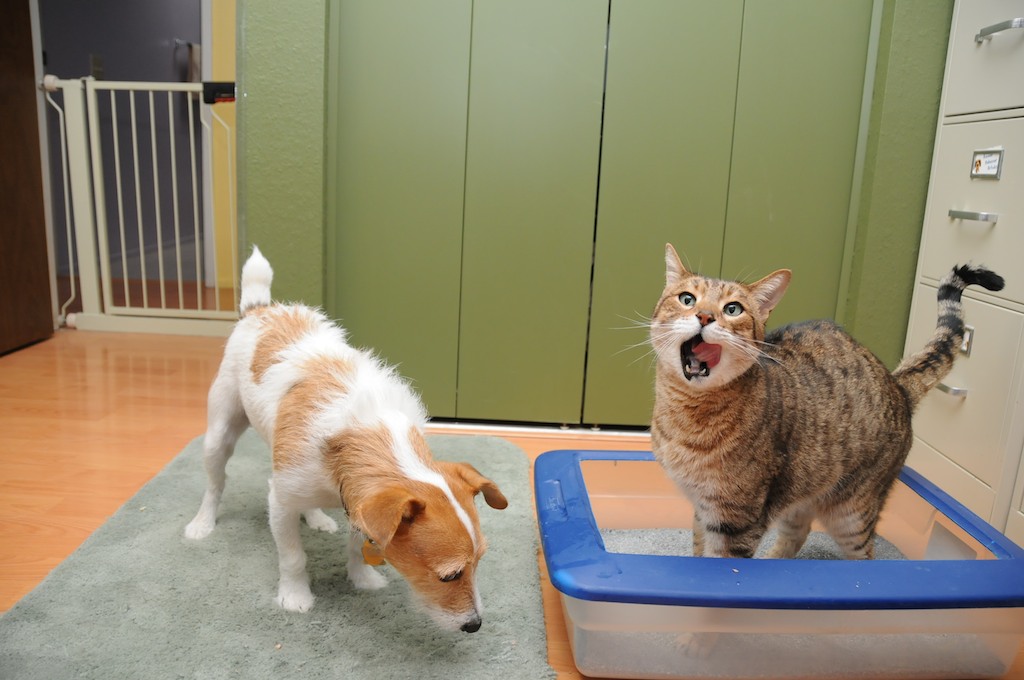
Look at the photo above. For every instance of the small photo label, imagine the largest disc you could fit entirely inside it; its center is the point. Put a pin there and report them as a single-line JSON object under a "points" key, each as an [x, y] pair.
{"points": [[987, 164]]}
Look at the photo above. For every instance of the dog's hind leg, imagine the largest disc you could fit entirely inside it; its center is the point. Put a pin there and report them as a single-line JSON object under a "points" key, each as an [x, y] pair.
{"points": [[293, 587], [226, 421]]}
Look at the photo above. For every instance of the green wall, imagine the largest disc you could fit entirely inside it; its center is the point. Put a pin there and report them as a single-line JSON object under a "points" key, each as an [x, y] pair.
{"points": [[283, 50], [281, 62], [904, 115]]}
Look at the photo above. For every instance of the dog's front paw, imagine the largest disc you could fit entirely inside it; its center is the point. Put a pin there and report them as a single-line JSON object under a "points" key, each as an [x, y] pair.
{"points": [[295, 597], [198, 528], [318, 519], [365, 577]]}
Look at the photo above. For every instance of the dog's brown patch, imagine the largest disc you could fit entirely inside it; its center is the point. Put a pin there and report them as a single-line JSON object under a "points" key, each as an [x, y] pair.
{"points": [[323, 378], [360, 453], [282, 326]]}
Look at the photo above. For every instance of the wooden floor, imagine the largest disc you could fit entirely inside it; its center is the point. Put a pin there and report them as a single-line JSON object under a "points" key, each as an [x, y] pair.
{"points": [[87, 418]]}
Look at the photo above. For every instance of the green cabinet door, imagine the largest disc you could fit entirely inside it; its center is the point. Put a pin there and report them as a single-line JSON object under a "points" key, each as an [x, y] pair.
{"points": [[531, 177], [399, 85], [481, 172], [731, 131], [798, 110], [668, 122]]}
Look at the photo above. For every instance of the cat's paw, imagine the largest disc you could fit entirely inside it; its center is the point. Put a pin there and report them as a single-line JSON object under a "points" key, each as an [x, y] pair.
{"points": [[781, 550]]}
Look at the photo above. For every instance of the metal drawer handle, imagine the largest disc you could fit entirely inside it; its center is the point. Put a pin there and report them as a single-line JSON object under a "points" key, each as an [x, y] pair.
{"points": [[953, 391], [989, 31], [976, 216]]}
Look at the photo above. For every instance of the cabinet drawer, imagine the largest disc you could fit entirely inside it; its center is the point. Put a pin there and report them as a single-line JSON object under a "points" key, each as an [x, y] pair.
{"points": [[977, 496], [986, 75], [1015, 527], [946, 240], [1015, 520], [970, 430]]}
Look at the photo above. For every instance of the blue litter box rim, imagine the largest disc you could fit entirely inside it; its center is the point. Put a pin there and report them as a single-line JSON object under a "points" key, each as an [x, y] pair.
{"points": [[580, 567]]}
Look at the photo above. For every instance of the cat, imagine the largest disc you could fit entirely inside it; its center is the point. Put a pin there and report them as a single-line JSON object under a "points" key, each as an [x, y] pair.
{"points": [[779, 428]]}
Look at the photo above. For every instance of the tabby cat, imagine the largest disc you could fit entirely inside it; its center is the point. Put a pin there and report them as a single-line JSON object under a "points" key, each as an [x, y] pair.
{"points": [[776, 429]]}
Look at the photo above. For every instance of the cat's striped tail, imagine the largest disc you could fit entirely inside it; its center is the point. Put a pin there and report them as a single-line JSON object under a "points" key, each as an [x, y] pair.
{"points": [[920, 372]]}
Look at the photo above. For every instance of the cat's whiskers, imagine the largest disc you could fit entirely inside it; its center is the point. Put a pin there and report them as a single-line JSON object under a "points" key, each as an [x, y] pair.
{"points": [[643, 324], [749, 347], [640, 321], [651, 351], [758, 344], [658, 341]]}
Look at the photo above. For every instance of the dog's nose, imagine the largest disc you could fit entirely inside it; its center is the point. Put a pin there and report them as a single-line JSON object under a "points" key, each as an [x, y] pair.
{"points": [[472, 625]]}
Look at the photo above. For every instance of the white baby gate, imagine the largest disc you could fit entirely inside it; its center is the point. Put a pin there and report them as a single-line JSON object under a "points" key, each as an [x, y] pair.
{"points": [[148, 206]]}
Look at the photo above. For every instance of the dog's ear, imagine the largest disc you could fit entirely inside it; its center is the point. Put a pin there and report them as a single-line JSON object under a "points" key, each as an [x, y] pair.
{"points": [[478, 483], [381, 515]]}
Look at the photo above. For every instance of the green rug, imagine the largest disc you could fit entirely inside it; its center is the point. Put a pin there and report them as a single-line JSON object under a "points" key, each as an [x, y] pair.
{"points": [[138, 600]]}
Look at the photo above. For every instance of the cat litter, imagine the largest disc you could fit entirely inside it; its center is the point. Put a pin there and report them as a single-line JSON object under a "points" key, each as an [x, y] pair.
{"points": [[819, 545], [944, 597]]}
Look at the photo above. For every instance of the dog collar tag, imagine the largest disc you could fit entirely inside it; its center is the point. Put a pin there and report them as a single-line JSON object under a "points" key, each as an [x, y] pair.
{"points": [[372, 554]]}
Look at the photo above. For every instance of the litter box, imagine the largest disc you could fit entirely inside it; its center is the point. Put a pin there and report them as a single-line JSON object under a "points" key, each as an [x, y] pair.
{"points": [[951, 607]]}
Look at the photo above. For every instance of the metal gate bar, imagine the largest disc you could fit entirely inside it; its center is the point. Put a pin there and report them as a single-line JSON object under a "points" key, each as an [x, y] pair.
{"points": [[144, 168]]}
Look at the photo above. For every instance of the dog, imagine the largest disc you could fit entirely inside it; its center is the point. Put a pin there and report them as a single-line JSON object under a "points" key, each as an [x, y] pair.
{"points": [[345, 431]]}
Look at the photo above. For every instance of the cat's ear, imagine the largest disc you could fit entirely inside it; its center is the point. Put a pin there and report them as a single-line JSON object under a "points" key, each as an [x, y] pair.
{"points": [[674, 269], [769, 290]]}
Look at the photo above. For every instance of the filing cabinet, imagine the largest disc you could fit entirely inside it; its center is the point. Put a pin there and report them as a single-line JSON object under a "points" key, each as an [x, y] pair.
{"points": [[969, 432], [975, 219], [984, 66]]}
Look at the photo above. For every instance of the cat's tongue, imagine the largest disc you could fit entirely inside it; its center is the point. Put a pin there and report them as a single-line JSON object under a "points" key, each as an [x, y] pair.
{"points": [[707, 353]]}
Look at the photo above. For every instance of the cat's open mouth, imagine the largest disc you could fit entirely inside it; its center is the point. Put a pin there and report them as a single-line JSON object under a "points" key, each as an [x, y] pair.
{"points": [[699, 357]]}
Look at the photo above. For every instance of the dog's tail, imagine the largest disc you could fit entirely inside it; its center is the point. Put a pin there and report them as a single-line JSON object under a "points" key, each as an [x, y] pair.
{"points": [[256, 278], [920, 372]]}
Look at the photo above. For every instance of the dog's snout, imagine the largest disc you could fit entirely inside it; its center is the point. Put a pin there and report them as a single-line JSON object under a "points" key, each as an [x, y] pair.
{"points": [[473, 625]]}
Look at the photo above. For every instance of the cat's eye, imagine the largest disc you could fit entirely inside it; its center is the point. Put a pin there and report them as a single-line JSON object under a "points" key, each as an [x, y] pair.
{"points": [[455, 576], [733, 309], [688, 299]]}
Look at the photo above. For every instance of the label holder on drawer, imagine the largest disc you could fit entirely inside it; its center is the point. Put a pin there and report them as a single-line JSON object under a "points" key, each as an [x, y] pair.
{"points": [[987, 164]]}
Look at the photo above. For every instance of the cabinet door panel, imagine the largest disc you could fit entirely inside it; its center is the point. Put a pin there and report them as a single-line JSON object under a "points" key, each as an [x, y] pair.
{"points": [[396, 232], [970, 431], [765, 184], [997, 244], [985, 76], [798, 108], [1015, 519], [531, 175], [668, 118], [975, 494]]}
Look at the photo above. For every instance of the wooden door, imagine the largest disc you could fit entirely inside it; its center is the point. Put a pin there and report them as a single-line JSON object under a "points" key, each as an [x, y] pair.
{"points": [[25, 308]]}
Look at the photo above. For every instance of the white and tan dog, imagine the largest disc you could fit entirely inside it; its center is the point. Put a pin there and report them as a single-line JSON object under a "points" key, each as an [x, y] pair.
{"points": [[345, 431]]}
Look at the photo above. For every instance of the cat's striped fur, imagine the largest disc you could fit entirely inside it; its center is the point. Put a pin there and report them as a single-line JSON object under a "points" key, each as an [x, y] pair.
{"points": [[779, 428]]}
